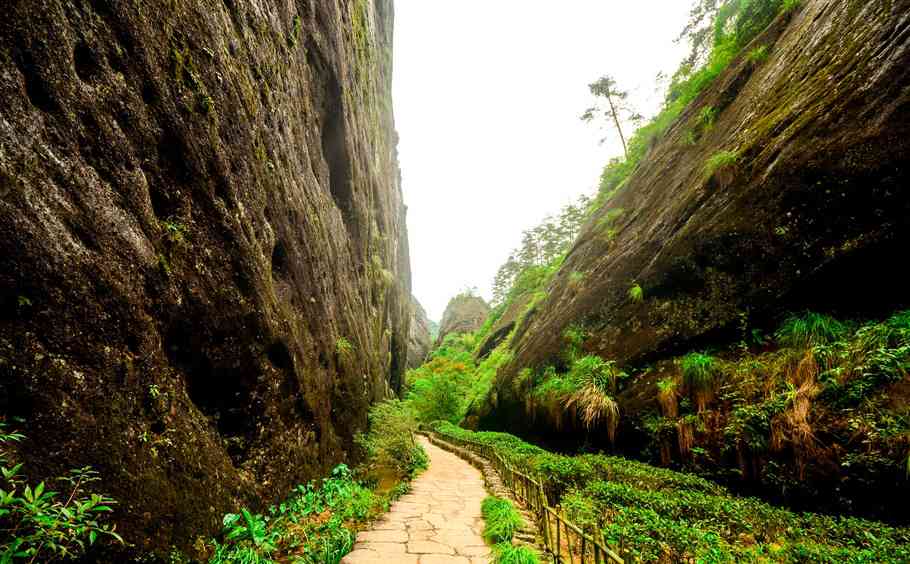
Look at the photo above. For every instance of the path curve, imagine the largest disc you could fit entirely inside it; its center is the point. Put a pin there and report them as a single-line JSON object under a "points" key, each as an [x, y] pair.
{"points": [[438, 522]]}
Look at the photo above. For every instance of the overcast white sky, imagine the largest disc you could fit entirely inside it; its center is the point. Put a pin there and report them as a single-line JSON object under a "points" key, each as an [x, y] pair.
{"points": [[488, 95]]}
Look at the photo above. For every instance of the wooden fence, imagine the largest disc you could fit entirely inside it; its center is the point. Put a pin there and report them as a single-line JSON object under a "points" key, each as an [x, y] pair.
{"points": [[564, 541]]}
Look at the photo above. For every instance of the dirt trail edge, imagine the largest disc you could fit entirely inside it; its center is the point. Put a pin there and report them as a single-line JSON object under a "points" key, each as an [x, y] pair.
{"points": [[438, 522]]}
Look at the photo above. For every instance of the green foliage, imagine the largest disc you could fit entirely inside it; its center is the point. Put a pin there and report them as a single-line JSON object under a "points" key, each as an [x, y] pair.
{"points": [[312, 524], [486, 372], [758, 55], [591, 370], [390, 441], [343, 346], [501, 520], [699, 370], [636, 294], [41, 525], [595, 383], [659, 515], [532, 264], [810, 329], [574, 338], [720, 161], [439, 388], [294, 36], [700, 374], [706, 117], [506, 553]]}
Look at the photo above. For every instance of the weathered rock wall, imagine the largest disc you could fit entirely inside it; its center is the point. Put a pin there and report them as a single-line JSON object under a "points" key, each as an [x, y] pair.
{"points": [[204, 278], [464, 314], [814, 213], [419, 340]]}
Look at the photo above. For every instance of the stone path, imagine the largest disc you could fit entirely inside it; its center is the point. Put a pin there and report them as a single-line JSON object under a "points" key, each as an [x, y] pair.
{"points": [[438, 522]]}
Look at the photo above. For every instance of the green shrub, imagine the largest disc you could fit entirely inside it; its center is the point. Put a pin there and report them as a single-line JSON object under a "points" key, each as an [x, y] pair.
{"points": [[501, 520], [390, 441], [659, 515], [41, 525], [312, 524]]}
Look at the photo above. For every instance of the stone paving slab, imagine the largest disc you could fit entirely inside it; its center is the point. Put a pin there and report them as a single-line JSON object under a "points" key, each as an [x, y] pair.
{"points": [[438, 522]]}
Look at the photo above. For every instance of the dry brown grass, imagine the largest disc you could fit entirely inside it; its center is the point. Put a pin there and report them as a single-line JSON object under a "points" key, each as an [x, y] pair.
{"points": [[668, 398], [685, 435], [594, 408]]}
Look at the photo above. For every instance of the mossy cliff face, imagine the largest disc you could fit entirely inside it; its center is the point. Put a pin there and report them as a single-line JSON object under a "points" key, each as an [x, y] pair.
{"points": [[419, 340], [814, 212], [806, 208], [463, 314], [198, 202]]}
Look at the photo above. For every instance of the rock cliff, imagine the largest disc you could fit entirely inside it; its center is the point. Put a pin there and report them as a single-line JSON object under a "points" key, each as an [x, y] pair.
{"points": [[419, 340], [464, 314], [204, 276], [810, 213], [793, 197]]}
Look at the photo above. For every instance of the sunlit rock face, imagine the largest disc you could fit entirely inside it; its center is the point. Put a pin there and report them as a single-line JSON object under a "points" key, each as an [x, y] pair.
{"points": [[204, 276], [463, 314]]}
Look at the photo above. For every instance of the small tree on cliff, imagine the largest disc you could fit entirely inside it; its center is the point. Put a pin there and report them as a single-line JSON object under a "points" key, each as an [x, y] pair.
{"points": [[612, 104]]}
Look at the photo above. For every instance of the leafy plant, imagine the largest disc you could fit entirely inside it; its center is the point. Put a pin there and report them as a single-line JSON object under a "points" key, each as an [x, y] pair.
{"points": [[312, 525], [636, 294], [44, 525], [343, 346]]}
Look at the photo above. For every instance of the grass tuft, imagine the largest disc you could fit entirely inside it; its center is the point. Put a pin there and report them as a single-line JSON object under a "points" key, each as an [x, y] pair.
{"points": [[721, 161], [501, 520], [700, 375], [505, 553], [809, 330]]}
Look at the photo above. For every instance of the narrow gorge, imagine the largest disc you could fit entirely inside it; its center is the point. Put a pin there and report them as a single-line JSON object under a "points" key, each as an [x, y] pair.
{"points": [[211, 349]]}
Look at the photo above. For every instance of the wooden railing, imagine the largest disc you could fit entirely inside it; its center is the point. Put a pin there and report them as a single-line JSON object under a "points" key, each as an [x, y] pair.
{"points": [[565, 541]]}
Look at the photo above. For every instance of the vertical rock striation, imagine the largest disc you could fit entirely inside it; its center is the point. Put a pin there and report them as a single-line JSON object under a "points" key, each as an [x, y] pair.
{"points": [[199, 211], [419, 340]]}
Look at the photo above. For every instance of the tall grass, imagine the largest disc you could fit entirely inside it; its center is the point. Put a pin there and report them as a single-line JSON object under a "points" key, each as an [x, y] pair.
{"points": [[810, 329], [700, 374]]}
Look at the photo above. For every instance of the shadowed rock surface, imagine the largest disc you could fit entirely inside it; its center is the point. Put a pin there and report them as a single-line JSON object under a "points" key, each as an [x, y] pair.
{"points": [[463, 314], [419, 340], [198, 202]]}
